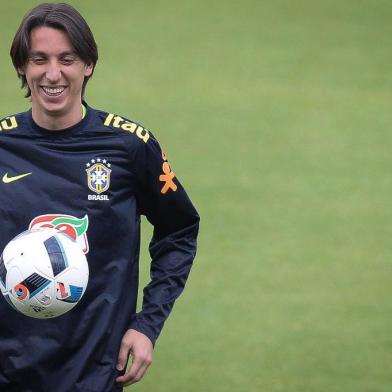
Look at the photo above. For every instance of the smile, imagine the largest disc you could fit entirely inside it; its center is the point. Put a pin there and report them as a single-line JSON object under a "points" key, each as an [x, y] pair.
{"points": [[53, 91]]}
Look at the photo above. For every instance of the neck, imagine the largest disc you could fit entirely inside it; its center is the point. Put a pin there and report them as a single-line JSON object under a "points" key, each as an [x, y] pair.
{"points": [[55, 120]]}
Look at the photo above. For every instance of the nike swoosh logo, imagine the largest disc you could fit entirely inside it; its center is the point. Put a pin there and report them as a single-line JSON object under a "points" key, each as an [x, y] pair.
{"points": [[7, 179]]}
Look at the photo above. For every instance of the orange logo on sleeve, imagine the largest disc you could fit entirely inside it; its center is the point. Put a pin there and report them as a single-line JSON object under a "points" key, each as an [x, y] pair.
{"points": [[167, 177]]}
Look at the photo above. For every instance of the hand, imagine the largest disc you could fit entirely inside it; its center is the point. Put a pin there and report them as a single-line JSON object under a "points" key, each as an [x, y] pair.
{"points": [[141, 349]]}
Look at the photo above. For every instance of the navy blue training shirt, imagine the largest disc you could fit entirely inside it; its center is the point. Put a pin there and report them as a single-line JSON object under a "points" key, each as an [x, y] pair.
{"points": [[93, 181]]}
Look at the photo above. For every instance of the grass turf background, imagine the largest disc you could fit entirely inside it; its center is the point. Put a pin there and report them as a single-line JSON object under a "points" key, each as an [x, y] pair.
{"points": [[276, 117]]}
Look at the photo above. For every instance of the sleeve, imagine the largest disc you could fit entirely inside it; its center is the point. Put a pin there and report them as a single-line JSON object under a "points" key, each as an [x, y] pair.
{"points": [[164, 202]]}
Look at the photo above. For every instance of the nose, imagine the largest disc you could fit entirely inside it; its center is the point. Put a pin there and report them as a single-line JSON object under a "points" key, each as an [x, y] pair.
{"points": [[53, 72]]}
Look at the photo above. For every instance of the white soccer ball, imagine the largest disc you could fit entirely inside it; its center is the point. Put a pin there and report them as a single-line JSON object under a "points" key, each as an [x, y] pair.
{"points": [[43, 273]]}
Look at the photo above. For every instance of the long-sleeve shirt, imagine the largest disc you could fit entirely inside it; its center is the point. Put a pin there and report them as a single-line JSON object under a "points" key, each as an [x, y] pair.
{"points": [[93, 180]]}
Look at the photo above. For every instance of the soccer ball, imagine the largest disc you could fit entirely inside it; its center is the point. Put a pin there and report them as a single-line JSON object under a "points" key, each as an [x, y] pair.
{"points": [[43, 273]]}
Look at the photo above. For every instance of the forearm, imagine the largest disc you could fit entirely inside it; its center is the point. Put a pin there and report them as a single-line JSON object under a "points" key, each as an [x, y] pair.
{"points": [[172, 258]]}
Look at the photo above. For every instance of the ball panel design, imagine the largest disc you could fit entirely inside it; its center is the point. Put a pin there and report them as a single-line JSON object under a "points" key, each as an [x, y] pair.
{"points": [[69, 293], [3, 271], [34, 284], [57, 256], [21, 292]]}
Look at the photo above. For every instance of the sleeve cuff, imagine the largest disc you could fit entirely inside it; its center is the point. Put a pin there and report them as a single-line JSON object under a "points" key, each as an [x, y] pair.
{"points": [[141, 327]]}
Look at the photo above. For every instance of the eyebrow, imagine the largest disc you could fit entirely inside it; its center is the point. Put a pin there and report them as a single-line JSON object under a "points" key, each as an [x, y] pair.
{"points": [[40, 53]]}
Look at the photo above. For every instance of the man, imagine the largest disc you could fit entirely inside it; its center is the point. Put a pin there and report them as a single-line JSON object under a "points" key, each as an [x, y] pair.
{"points": [[63, 161]]}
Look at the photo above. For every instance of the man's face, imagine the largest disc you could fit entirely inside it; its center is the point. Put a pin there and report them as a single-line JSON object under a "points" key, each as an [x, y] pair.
{"points": [[55, 74]]}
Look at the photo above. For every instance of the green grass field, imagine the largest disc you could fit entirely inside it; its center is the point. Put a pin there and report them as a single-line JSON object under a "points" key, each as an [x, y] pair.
{"points": [[276, 116]]}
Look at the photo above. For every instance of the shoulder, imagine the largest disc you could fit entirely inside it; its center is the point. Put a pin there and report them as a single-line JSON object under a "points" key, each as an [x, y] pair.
{"points": [[13, 122], [122, 125]]}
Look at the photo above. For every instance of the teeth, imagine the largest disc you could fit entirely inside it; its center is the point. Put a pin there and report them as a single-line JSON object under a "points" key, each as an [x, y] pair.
{"points": [[53, 90]]}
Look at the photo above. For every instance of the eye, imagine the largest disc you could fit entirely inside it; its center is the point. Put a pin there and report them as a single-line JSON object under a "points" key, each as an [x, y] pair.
{"points": [[38, 60], [68, 60]]}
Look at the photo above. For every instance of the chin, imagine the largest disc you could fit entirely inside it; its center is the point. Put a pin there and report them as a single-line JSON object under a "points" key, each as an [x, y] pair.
{"points": [[54, 107]]}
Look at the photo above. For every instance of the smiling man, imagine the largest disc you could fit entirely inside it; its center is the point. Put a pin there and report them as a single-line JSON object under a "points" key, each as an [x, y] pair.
{"points": [[63, 161], [55, 74]]}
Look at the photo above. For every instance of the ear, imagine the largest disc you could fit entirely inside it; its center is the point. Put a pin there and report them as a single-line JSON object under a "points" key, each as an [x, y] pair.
{"points": [[88, 70], [20, 71]]}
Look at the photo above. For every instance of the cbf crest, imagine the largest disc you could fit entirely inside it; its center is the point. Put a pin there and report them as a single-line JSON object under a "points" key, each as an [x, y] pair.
{"points": [[98, 177]]}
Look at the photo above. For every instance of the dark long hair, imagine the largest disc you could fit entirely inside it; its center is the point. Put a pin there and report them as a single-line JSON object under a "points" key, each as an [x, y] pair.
{"points": [[59, 16]]}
